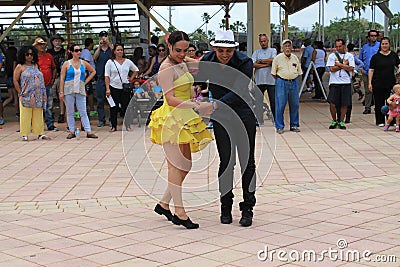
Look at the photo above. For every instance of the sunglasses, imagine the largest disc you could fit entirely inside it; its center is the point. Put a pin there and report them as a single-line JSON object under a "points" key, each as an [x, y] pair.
{"points": [[161, 50], [262, 34], [373, 35], [77, 50], [29, 54], [191, 51]]}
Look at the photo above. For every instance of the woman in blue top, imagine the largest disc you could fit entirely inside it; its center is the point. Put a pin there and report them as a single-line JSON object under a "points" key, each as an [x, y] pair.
{"points": [[156, 61], [72, 89]]}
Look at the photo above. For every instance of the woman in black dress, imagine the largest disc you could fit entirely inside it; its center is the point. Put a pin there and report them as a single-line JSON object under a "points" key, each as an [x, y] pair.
{"points": [[381, 77]]}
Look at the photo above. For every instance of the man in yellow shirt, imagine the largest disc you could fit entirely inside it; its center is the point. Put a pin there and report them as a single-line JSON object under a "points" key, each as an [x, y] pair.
{"points": [[286, 68]]}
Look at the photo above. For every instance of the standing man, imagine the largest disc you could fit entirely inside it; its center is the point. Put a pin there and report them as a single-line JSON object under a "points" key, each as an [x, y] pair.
{"points": [[233, 121], [286, 68], [262, 62], [367, 51], [58, 53], [101, 56], [341, 65], [48, 68], [305, 63], [87, 56]]}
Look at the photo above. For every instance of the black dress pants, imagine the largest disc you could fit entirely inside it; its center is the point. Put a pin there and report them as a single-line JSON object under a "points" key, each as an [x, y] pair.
{"points": [[260, 101], [119, 97], [380, 96], [230, 137]]}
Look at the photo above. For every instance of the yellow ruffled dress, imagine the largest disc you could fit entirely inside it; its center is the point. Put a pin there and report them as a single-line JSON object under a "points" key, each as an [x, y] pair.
{"points": [[179, 125]]}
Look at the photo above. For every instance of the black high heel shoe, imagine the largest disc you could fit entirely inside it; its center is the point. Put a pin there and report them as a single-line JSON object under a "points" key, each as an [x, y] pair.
{"points": [[160, 210], [187, 223]]}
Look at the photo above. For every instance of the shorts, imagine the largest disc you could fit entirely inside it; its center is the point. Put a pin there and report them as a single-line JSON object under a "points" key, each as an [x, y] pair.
{"points": [[9, 82], [340, 94]]}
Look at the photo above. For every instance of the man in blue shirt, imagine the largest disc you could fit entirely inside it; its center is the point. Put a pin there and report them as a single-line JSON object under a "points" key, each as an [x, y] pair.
{"points": [[101, 56], [262, 61], [367, 51]]}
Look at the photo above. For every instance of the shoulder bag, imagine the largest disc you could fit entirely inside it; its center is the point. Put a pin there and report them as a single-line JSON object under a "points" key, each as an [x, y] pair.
{"points": [[127, 87]]}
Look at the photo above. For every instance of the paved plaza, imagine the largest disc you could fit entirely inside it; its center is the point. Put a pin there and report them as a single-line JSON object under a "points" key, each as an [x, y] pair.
{"points": [[332, 196]]}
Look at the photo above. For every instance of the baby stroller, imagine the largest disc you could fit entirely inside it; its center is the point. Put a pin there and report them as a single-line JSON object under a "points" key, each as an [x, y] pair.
{"points": [[140, 107]]}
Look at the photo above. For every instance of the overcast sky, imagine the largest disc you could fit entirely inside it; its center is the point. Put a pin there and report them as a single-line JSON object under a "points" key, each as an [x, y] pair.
{"points": [[189, 18]]}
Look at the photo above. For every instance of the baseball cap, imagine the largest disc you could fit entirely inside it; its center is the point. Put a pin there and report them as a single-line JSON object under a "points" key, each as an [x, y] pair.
{"points": [[286, 41], [39, 40], [103, 33]]}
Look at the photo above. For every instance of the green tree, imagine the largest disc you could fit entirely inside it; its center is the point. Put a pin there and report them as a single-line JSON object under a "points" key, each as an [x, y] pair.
{"points": [[157, 31], [237, 26], [206, 18]]}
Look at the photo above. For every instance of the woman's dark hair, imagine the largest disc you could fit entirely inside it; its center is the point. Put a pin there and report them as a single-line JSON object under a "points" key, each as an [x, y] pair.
{"points": [[21, 54], [384, 38], [193, 46], [112, 54], [70, 49], [177, 36], [161, 45], [137, 54], [277, 47], [350, 47]]}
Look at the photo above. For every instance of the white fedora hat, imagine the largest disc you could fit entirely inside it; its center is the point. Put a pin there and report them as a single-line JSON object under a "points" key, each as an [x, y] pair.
{"points": [[224, 39]]}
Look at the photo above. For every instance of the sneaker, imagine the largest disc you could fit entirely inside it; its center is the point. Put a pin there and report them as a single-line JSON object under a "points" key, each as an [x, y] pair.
{"points": [[43, 137], [342, 126], [380, 125], [1, 121], [294, 129], [333, 125], [101, 124], [53, 128], [279, 131], [367, 111], [386, 127], [77, 115], [397, 129], [93, 113], [210, 125], [24, 138], [17, 115]]}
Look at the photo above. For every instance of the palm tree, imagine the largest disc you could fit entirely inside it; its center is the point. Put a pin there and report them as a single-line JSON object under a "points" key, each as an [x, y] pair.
{"points": [[206, 18], [238, 25]]}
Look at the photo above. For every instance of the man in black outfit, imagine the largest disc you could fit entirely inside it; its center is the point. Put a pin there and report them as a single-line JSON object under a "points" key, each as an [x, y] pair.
{"points": [[234, 122]]}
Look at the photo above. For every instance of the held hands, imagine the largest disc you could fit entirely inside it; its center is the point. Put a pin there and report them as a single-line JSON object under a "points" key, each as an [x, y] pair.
{"points": [[204, 108]]}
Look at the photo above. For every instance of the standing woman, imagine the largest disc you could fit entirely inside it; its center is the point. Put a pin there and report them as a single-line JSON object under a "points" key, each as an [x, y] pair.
{"points": [[156, 61], [177, 127], [319, 59], [116, 73], [381, 77], [29, 83], [72, 89]]}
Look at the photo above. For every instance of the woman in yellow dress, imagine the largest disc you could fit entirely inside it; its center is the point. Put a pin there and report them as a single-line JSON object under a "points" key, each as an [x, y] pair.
{"points": [[177, 126]]}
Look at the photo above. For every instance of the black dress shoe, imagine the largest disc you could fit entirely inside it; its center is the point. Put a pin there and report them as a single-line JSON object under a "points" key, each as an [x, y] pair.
{"points": [[226, 215], [247, 218], [160, 210], [187, 223]]}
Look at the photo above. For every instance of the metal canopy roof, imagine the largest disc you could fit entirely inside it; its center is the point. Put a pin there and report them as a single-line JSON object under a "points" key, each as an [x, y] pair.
{"points": [[291, 5]]}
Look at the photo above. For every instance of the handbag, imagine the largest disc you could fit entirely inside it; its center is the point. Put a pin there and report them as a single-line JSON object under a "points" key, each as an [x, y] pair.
{"points": [[126, 87]]}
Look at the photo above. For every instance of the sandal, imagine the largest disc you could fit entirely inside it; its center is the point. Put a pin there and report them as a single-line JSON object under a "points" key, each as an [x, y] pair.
{"points": [[43, 137], [71, 135], [91, 135]]}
